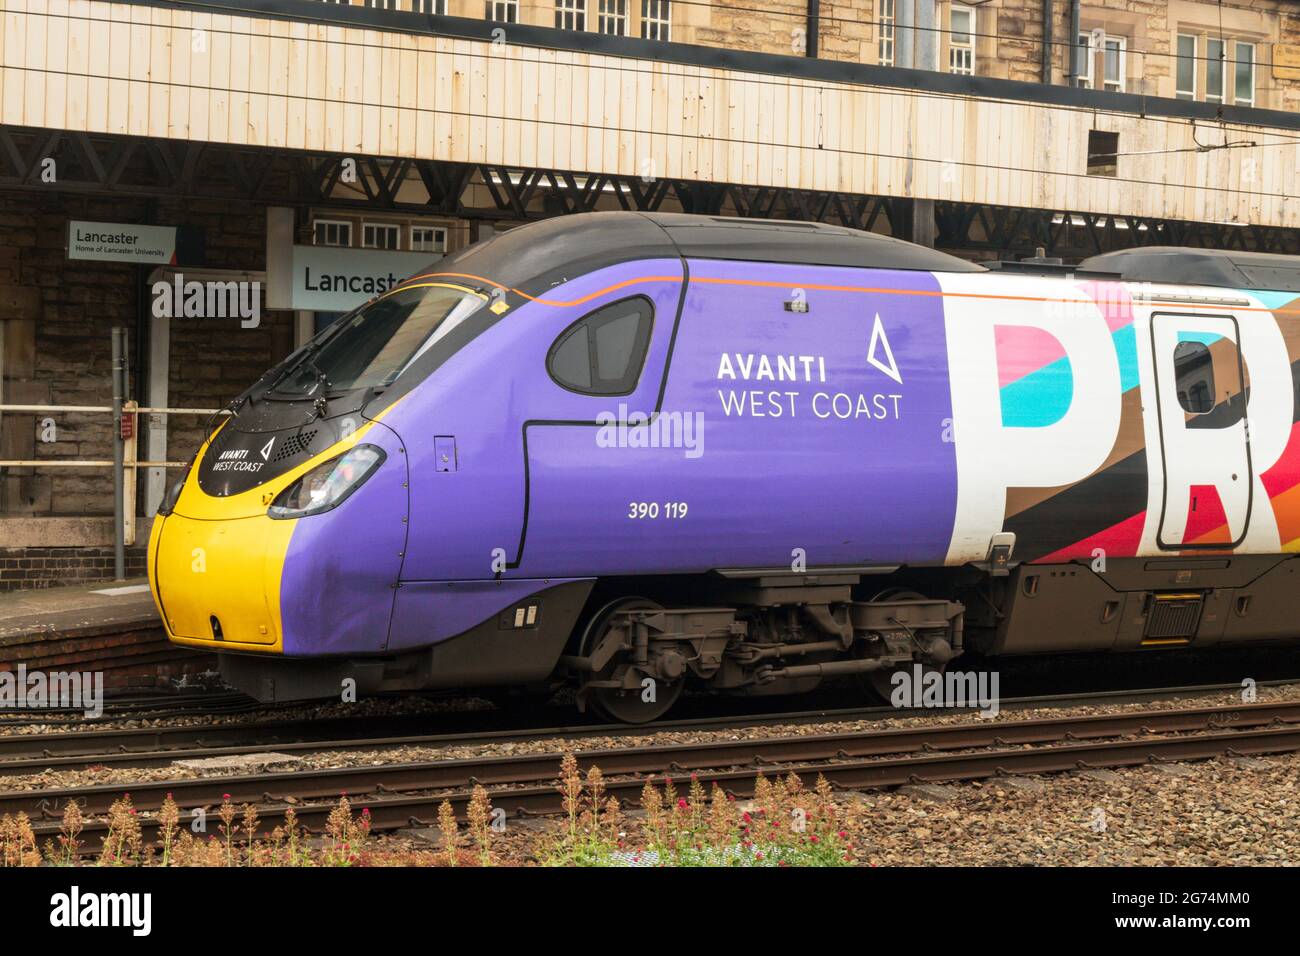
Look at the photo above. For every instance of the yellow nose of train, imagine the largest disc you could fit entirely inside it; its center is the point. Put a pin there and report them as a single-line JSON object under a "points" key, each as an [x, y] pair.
{"points": [[219, 562]]}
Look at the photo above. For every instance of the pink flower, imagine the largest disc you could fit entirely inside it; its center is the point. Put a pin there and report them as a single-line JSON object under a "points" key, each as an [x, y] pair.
{"points": [[682, 804]]}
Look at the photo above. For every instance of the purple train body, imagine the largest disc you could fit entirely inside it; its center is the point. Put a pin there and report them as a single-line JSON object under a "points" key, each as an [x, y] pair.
{"points": [[638, 451]]}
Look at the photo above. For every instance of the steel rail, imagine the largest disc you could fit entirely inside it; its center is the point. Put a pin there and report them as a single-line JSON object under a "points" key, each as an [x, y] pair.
{"points": [[158, 746], [158, 707], [759, 752], [396, 812]]}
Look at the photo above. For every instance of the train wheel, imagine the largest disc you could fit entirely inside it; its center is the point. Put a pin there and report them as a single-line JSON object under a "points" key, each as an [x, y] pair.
{"points": [[626, 706], [881, 683]]}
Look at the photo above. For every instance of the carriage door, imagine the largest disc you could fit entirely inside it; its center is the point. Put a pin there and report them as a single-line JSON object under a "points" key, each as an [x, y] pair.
{"points": [[1201, 384]]}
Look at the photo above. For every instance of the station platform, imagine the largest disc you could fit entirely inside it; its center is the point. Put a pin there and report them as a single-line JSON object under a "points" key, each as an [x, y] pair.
{"points": [[111, 627]]}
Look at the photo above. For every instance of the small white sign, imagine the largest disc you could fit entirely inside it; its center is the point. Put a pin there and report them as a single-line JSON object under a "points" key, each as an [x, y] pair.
{"points": [[121, 242], [329, 279]]}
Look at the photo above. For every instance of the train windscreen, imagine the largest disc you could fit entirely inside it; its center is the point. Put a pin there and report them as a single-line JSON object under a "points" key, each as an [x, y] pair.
{"points": [[373, 346]]}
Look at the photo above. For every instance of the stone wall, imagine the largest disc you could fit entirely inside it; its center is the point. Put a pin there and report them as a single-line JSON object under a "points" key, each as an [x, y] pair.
{"points": [[1009, 45], [70, 312]]}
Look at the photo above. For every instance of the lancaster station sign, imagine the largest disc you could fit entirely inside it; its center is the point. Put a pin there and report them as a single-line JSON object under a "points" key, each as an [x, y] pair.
{"points": [[329, 279], [127, 242]]}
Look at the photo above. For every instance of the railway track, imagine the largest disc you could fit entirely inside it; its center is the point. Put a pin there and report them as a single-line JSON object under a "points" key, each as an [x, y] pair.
{"points": [[150, 706], [160, 746], [400, 795]]}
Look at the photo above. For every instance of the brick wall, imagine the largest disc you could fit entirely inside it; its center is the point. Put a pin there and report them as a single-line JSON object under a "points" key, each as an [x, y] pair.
{"points": [[22, 568], [80, 302]]}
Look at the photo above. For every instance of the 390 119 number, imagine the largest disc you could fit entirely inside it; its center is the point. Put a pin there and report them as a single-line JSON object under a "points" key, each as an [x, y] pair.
{"points": [[649, 510]]}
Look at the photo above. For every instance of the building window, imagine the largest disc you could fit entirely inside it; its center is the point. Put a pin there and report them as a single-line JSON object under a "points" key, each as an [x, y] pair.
{"points": [[437, 7], [1112, 64], [886, 52], [1103, 150], [331, 232], [656, 19], [570, 14], [961, 40], [1243, 92], [502, 11], [1185, 82], [382, 4], [1083, 61], [428, 239], [379, 235], [1214, 56], [613, 17]]}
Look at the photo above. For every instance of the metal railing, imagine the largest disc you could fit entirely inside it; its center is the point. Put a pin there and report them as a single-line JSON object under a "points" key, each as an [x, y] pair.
{"points": [[125, 461], [128, 409]]}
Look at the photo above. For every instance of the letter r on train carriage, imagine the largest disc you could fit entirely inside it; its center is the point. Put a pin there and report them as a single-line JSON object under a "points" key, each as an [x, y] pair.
{"points": [[950, 446]]}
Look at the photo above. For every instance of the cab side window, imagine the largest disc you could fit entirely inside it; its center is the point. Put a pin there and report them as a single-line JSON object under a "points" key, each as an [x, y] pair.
{"points": [[603, 352]]}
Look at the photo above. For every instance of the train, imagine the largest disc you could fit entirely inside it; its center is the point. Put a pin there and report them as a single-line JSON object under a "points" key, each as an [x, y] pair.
{"points": [[637, 453]]}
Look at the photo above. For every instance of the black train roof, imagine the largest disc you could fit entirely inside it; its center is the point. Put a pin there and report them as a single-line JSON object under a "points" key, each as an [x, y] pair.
{"points": [[543, 254], [1223, 268]]}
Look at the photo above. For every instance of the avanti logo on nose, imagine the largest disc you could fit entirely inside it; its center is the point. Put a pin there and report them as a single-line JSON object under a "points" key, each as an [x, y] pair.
{"points": [[266, 450]]}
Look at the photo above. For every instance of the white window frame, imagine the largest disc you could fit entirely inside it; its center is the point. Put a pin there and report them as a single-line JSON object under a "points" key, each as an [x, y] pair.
{"points": [[571, 15], [388, 228], [345, 225], [885, 46], [1236, 64], [382, 4], [1117, 86], [657, 20], [611, 17], [1211, 96], [434, 7], [1088, 56], [440, 238], [1180, 93], [959, 52], [502, 11]]}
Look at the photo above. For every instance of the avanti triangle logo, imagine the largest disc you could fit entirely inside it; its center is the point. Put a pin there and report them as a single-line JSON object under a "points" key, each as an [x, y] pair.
{"points": [[881, 341]]}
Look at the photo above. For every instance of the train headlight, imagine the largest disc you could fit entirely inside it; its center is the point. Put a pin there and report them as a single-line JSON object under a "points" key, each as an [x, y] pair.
{"points": [[328, 484]]}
